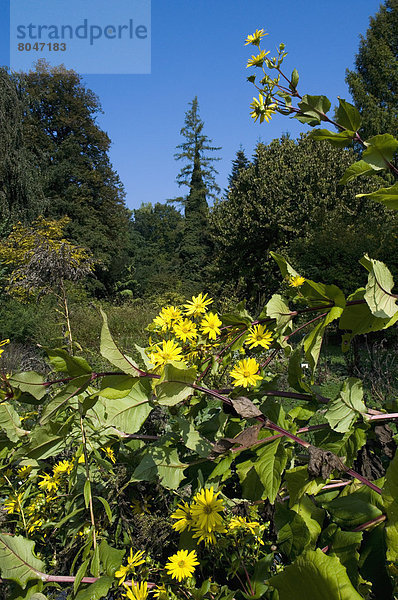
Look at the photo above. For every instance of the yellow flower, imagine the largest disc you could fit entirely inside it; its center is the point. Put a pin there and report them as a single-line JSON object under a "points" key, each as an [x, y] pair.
{"points": [[3, 343], [259, 336], [138, 591], [49, 483], [296, 281], [133, 560], [182, 564], [166, 353], [167, 315], [261, 109], [35, 524], [255, 38], [24, 471], [197, 305], [13, 503], [110, 453], [210, 325], [160, 592], [64, 467], [185, 330], [245, 372], [140, 506], [253, 526], [208, 537], [205, 509], [184, 517], [257, 61]]}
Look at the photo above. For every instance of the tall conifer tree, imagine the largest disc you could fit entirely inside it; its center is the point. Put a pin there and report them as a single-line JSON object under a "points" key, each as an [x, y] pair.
{"points": [[199, 176]]}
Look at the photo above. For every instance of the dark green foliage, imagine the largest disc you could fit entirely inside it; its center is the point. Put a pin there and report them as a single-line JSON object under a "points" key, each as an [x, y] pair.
{"points": [[78, 179], [374, 82], [288, 201], [156, 233], [21, 196]]}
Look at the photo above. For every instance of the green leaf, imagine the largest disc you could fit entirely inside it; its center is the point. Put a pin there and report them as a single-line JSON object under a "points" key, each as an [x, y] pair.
{"points": [[238, 317], [316, 576], [353, 171], [378, 290], [312, 516], [351, 510], [65, 363], [348, 116], [285, 268], [269, 466], [126, 414], [295, 371], [298, 484], [373, 562], [339, 140], [97, 590], [110, 558], [293, 534], [107, 508], [358, 319], [10, 422], [390, 499], [345, 545], [161, 462], [61, 400], [314, 107], [342, 412], [387, 196], [45, 442], [80, 574], [114, 387], [29, 382], [172, 387], [17, 560], [276, 308], [294, 79], [380, 150], [87, 492], [111, 352], [192, 439]]}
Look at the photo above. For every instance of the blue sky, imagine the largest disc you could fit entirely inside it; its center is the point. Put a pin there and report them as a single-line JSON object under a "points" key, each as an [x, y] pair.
{"points": [[198, 49]]}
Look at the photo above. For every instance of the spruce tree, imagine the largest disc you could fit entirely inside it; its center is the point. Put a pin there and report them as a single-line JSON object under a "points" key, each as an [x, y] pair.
{"points": [[199, 176], [240, 162], [374, 82]]}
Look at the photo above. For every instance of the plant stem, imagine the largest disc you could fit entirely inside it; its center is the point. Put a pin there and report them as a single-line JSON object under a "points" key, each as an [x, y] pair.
{"points": [[90, 500]]}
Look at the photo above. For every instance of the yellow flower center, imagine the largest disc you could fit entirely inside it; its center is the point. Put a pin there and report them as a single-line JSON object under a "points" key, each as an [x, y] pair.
{"points": [[181, 564]]}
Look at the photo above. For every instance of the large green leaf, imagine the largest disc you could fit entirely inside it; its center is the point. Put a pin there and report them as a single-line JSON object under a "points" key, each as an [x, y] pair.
{"points": [[17, 559], [342, 412], [285, 268], [192, 438], [114, 387], [352, 510], [64, 362], [45, 441], [111, 352], [358, 319], [313, 107], [387, 196], [293, 534], [129, 413], [97, 590], [378, 290], [345, 545], [380, 150], [172, 387], [162, 462], [61, 400], [277, 309], [312, 516], [373, 562], [316, 576], [29, 382], [298, 484], [390, 498], [348, 116], [359, 168], [110, 558], [339, 140], [269, 466], [10, 422]]}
